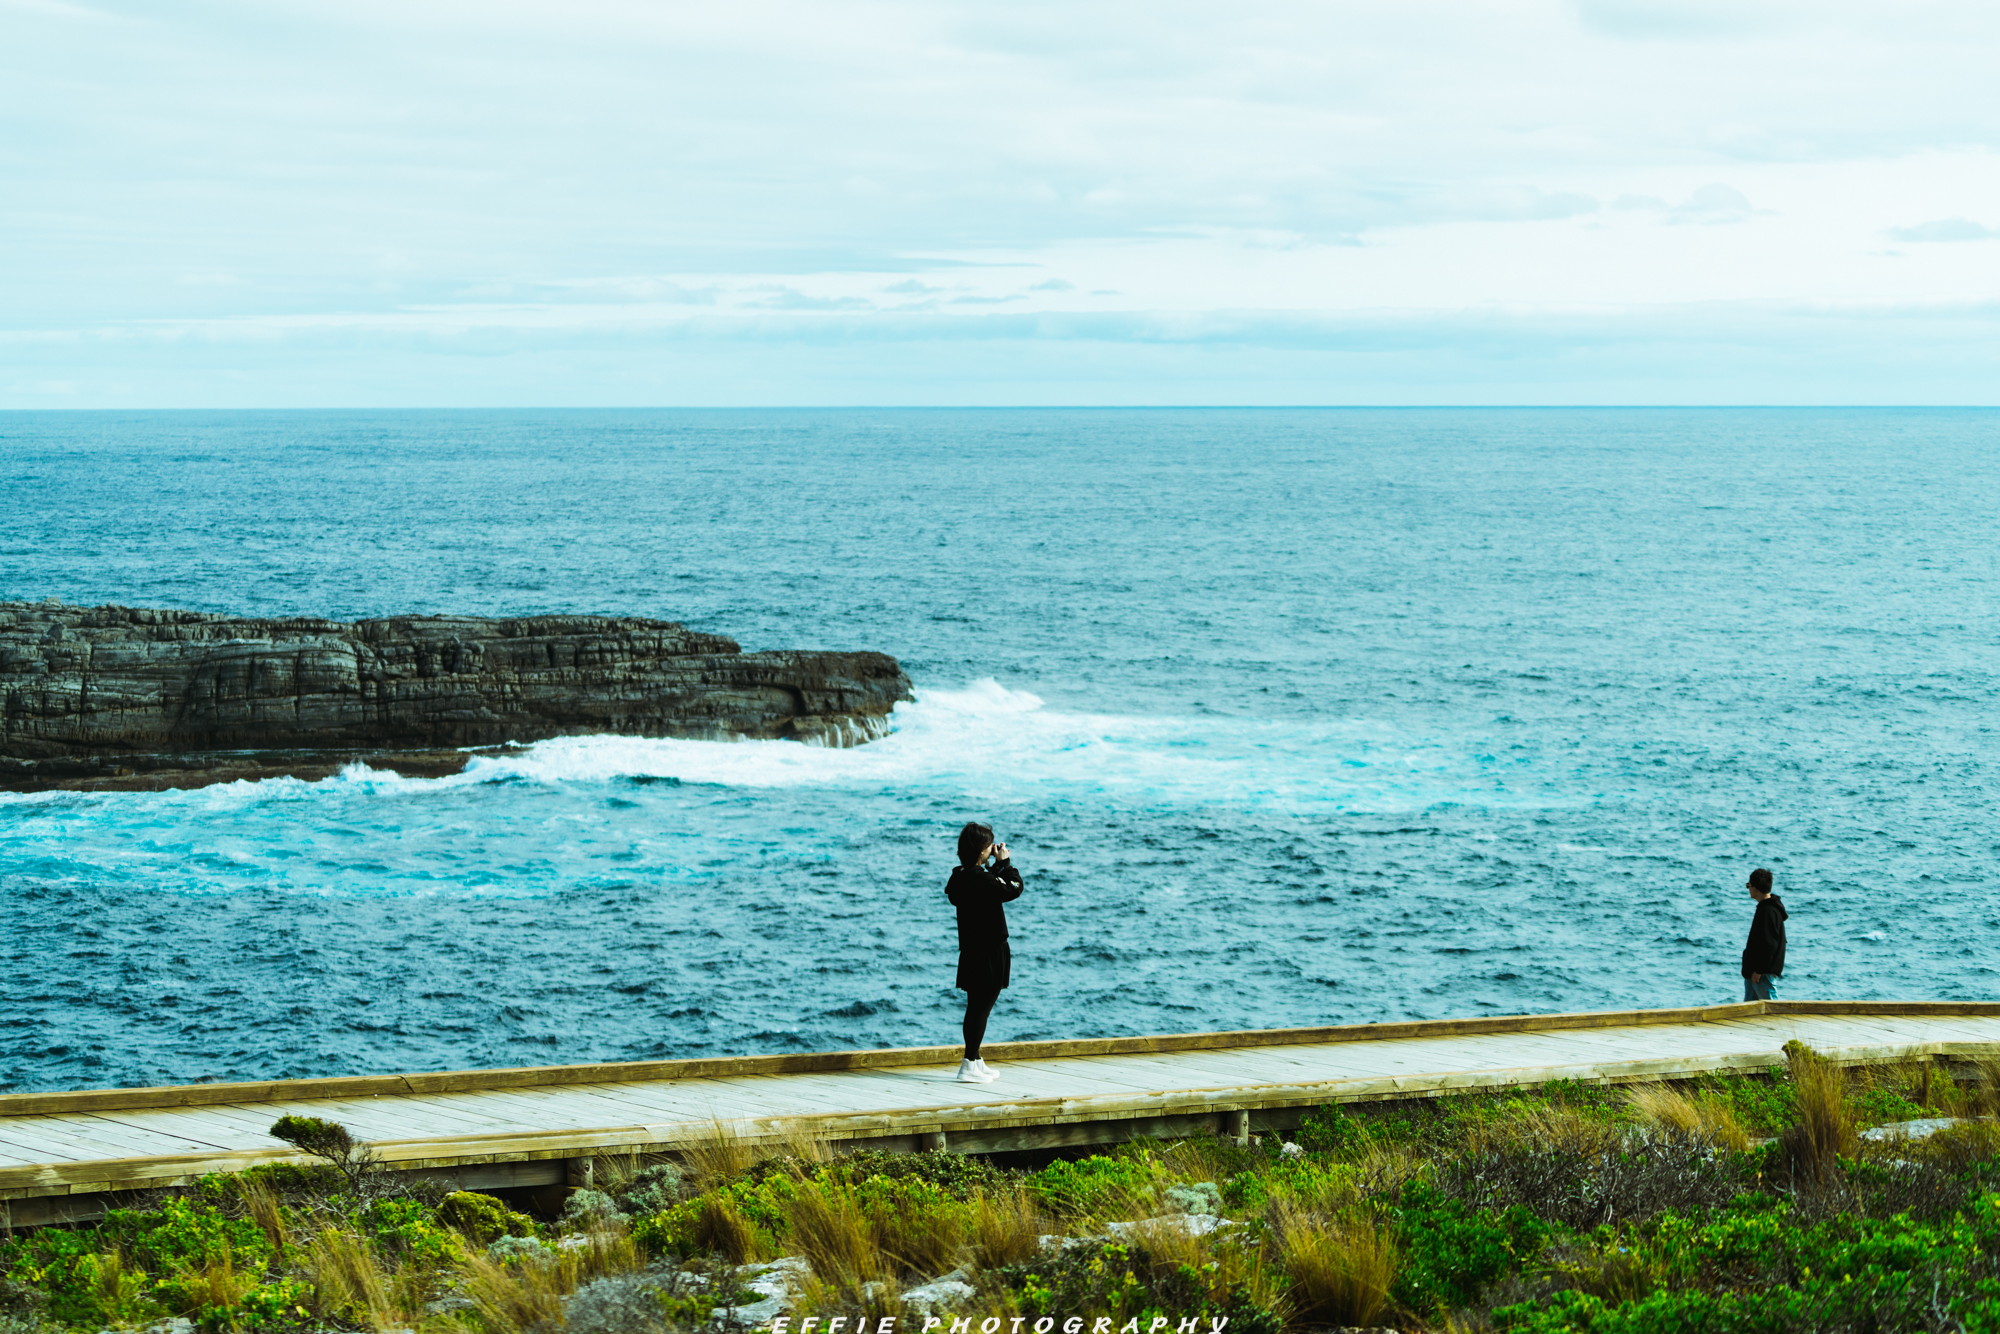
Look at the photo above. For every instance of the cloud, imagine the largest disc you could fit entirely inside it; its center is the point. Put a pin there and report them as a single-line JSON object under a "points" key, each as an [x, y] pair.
{"points": [[813, 159], [1944, 229], [1711, 204], [788, 298]]}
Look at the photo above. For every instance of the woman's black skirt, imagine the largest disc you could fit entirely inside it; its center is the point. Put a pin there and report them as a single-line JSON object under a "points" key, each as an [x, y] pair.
{"points": [[986, 970]]}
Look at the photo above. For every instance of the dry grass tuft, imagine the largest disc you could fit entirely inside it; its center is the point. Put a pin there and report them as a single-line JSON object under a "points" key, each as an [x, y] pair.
{"points": [[721, 1154], [216, 1281], [920, 1243], [1340, 1270], [829, 1228], [521, 1298], [263, 1209], [805, 1147], [1981, 1097], [525, 1297], [719, 1226], [1006, 1227], [348, 1283], [1824, 1131], [1548, 1127], [1703, 1116]]}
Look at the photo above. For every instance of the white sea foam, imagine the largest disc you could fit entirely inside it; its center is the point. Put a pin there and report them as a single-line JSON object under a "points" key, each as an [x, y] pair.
{"points": [[988, 743]]}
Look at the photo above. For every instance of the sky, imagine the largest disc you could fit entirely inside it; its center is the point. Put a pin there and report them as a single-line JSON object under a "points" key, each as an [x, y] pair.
{"points": [[592, 202]]}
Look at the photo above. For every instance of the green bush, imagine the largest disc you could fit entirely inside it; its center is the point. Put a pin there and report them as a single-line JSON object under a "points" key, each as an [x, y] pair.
{"points": [[128, 1269], [1332, 1129], [281, 1179], [1879, 1106], [1763, 1106], [409, 1232], [956, 1173], [1758, 1271], [1451, 1252], [1126, 1283], [482, 1218], [1089, 1185]]}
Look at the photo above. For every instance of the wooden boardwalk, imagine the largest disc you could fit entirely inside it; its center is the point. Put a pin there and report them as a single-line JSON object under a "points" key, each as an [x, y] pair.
{"points": [[61, 1153]]}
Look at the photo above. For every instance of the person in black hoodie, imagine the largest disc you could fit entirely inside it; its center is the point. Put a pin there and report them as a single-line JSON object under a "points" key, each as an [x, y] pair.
{"points": [[985, 965], [1764, 956]]}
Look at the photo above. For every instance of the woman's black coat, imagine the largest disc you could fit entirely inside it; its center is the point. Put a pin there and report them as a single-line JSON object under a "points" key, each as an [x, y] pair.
{"points": [[984, 962]]}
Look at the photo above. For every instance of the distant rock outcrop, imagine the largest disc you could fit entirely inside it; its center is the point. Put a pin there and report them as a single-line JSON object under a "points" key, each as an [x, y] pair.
{"points": [[124, 697]]}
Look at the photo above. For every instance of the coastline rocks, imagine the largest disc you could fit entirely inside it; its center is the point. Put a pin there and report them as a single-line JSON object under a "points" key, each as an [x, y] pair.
{"points": [[117, 696]]}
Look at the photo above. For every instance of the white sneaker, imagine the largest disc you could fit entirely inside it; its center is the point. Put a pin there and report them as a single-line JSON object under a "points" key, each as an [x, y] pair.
{"points": [[987, 1074], [968, 1073]]}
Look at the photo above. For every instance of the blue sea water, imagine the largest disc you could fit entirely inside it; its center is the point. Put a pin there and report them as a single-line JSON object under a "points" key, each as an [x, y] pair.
{"points": [[1292, 717]]}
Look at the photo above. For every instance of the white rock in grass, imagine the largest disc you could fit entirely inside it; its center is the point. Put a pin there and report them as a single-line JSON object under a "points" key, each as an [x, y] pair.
{"points": [[1922, 1129], [939, 1294], [777, 1284], [1195, 1225]]}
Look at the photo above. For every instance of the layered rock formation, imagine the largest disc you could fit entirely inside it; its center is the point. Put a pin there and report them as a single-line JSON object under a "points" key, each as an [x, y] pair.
{"points": [[87, 694]]}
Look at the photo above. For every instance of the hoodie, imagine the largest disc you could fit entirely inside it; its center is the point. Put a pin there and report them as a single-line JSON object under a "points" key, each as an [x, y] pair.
{"points": [[1766, 951]]}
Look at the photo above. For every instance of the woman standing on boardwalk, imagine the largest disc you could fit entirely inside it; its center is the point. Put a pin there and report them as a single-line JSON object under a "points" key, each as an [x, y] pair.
{"points": [[984, 962]]}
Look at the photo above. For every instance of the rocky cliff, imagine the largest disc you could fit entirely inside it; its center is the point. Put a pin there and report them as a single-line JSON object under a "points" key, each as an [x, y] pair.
{"points": [[90, 694]]}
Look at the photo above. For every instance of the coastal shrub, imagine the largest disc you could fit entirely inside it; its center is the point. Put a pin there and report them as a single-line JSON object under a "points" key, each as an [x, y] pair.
{"points": [[589, 1208], [1126, 1282], [509, 1249], [284, 1180], [649, 1190], [1450, 1252], [1584, 1095], [128, 1268], [658, 1300], [1581, 1180], [482, 1219], [1756, 1269], [329, 1141], [718, 1222], [1195, 1197], [1883, 1106], [915, 1225], [1332, 1129], [958, 1174], [408, 1232], [1088, 1187], [1762, 1104]]}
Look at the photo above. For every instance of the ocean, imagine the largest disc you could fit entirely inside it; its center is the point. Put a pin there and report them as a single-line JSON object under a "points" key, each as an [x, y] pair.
{"points": [[1291, 718]]}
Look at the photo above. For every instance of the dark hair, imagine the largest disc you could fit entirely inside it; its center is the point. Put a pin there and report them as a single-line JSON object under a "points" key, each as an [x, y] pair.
{"points": [[974, 839], [1760, 880]]}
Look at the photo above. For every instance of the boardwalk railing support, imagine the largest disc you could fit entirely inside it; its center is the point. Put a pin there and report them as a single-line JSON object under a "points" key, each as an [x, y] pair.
{"points": [[1236, 1125]]}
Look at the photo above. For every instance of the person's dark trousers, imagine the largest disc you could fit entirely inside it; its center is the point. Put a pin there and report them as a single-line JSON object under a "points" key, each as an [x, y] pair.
{"points": [[1761, 989], [978, 1005]]}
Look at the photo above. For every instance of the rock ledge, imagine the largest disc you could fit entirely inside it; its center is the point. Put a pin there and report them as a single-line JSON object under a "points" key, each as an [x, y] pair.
{"points": [[107, 697]]}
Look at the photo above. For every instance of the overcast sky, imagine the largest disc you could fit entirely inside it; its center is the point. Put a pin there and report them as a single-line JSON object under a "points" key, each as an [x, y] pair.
{"points": [[1260, 201]]}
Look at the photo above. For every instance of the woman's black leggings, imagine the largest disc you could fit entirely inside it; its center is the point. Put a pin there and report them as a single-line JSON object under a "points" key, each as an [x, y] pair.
{"points": [[978, 1005]]}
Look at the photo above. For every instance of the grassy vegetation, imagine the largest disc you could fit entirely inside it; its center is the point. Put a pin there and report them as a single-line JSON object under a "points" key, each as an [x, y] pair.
{"points": [[1739, 1202]]}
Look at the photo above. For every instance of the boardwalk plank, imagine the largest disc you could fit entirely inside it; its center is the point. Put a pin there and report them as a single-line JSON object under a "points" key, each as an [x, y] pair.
{"points": [[127, 1137]]}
